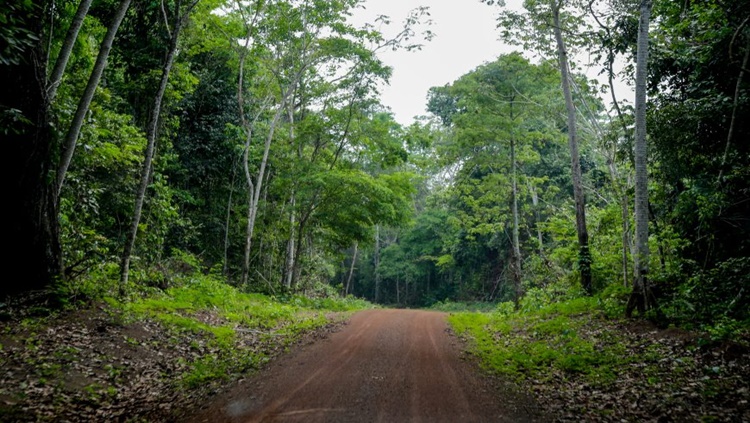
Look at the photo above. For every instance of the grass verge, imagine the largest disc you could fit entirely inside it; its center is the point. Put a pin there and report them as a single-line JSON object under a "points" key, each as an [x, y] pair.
{"points": [[584, 365], [149, 359]]}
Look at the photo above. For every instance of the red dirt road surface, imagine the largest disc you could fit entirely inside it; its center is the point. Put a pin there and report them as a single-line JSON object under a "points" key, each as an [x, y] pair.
{"points": [[384, 366]]}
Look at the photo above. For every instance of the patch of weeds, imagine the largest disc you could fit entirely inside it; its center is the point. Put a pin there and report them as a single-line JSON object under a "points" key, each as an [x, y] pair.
{"points": [[203, 370], [349, 303], [113, 372], [220, 366], [66, 353], [462, 306], [49, 370], [540, 343], [303, 324], [711, 388], [96, 392], [221, 316]]}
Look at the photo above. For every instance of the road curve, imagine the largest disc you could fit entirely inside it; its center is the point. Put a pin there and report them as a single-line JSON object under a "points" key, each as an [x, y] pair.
{"points": [[384, 366]]}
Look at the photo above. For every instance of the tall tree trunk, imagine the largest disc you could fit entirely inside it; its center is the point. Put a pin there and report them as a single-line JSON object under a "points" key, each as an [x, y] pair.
{"points": [[398, 291], [538, 215], [69, 143], [641, 298], [290, 250], [377, 263], [516, 260], [61, 63], [584, 255], [737, 89], [297, 268], [151, 135], [225, 267], [289, 264], [254, 188], [351, 270]]}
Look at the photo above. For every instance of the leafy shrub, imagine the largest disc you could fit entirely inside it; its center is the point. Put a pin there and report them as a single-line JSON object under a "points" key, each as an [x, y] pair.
{"points": [[460, 306], [505, 309], [716, 299], [539, 298], [613, 300]]}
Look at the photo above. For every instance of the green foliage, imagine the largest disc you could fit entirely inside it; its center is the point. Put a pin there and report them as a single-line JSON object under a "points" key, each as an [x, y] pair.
{"points": [[714, 300], [330, 303], [207, 306], [439, 191], [527, 344], [453, 306], [215, 367], [613, 299], [15, 37], [539, 298]]}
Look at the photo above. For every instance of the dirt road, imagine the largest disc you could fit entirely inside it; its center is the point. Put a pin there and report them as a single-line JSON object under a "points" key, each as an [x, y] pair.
{"points": [[384, 366]]}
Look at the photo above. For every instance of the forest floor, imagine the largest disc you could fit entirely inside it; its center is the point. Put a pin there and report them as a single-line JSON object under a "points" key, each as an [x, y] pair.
{"points": [[104, 364], [100, 364], [582, 365]]}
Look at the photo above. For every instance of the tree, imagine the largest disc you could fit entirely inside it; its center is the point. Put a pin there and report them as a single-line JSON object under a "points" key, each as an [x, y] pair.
{"points": [[55, 78], [180, 18], [641, 297], [584, 255], [497, 113], [69, 143], [531, 29]]}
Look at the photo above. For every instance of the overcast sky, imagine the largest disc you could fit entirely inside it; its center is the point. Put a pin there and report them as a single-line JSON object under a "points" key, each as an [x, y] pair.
{"points": [[465, 37]]}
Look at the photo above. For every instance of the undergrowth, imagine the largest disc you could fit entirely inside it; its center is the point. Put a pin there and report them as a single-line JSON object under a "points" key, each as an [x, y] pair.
{"points": [[584, 361], [527, 344], [457, 306], [233, 326]]}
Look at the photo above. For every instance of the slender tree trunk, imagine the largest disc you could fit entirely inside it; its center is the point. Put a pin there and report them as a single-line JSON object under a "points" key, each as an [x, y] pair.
{"points": [[297, 273], [289, 265], [584, 255], [377, 263], [538, 215], [69, 143], [641, 298], [254, 190], [351, 270], [151, 135], [730, 133], [61, 63], [516, 260], [290, 250], [398, 291], [225, 267], [249, 225]]}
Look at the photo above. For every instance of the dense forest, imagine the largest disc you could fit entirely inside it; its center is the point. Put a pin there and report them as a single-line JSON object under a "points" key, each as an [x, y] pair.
{"points": [[247, 140], [193, 186]]}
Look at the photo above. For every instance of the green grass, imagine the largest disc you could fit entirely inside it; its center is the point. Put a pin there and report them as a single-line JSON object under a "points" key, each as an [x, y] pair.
{"points": [[555, 340], [462, 306], [217, 312]]}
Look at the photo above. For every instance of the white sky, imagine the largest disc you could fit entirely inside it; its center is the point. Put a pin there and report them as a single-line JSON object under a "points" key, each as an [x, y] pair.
{"points": [[465, 37]]}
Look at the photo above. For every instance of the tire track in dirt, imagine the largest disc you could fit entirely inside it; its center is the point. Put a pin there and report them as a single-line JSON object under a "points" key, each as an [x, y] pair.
{"points": [[384, 366]]}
